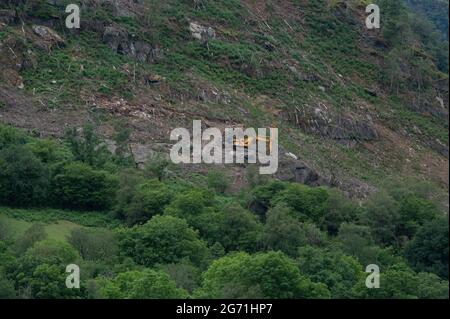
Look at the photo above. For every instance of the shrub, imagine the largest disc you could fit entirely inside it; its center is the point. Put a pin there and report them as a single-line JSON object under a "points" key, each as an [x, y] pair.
{"points": [[32, 235], [341, 210], [310, 204]]}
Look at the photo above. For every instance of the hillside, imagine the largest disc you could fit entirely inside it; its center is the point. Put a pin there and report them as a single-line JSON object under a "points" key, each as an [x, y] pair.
{"points": [[363, 131], [435, 11], [354, 105]]}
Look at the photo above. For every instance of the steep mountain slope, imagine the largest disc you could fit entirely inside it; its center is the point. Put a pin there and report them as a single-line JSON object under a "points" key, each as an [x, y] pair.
{"points": [[435, 11], [356, 106]]}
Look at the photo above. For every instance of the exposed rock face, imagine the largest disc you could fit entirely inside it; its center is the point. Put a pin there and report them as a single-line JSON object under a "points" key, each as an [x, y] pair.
{"points": [[141, 153], [47, 38], [121, 42], [342, 127], [201, 33], [295, 170], [117, 38]]}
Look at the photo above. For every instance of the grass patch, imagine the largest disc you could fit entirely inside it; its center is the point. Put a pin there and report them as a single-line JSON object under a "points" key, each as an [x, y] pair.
{"points": [[88, 219]]}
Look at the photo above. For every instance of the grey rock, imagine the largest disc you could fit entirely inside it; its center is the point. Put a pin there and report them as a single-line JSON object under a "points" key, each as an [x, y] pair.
{"points": [[295, 170], [201, 32], [49, 36], [347, 127], [121, 42]]}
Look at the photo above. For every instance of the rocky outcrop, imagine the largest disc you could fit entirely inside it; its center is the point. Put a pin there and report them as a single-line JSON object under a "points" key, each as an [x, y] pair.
{"points": [[201, 33], [294, 170], [340, 127], [46, 38], [121, 42]]}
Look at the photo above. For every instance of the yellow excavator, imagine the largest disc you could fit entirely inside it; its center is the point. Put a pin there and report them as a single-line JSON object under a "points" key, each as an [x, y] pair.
{"points": [[247, 141]]}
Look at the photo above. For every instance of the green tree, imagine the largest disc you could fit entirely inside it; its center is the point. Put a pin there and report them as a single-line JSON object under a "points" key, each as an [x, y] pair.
{"points": [[94, 244], [428, 251], [87, 147], [24, 179], [264, 275], [7, 290], [129, 181], [123, 153], [240, 229], [10, 136], [341, 210], [282, 231], [190, 203], [185, 275], [158, 167], [163, 239], [430, 286], [339, 272], [147, 200], [310, 204], [262, 196], [77, 185], [217, 181], [414, 212], [400, 282], [145, 284], [354, 239], [382, 216], [41, 271], [49, 151]]}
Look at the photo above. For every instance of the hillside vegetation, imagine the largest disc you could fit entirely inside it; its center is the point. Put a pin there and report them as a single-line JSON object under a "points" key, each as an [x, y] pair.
{"points": [[86, 116]]}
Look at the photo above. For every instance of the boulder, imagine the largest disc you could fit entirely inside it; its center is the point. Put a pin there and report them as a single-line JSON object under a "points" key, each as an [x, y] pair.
{"points": [[46, 37], [201, 33], [294, 170], [121, 42]]}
